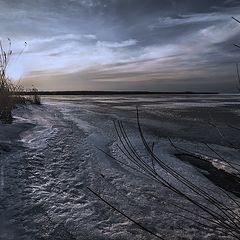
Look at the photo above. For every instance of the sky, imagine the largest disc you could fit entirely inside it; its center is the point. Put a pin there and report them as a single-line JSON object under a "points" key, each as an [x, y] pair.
{"points": [[151, 45]]}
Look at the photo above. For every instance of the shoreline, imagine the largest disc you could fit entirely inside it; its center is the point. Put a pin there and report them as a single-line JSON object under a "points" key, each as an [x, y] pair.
{"points": [[46, 180], [69, 93]]}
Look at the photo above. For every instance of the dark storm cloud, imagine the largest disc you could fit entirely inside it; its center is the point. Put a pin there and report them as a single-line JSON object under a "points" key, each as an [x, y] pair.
{"points": [[128, 43]]}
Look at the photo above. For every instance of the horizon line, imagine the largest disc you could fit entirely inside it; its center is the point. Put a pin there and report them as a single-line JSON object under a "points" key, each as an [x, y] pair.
{"points": [[105, 92]]}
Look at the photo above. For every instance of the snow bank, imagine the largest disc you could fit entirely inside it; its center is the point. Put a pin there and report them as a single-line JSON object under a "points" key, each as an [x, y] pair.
{"points": [[10, 134]]}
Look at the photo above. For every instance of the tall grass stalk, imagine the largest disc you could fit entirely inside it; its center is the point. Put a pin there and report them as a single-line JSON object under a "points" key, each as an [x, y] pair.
{"points": [[10, 93], [213, 212], [6, 87]]}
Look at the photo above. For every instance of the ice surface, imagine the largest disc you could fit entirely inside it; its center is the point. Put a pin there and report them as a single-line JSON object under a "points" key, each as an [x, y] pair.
{"points": [[54, 156]]}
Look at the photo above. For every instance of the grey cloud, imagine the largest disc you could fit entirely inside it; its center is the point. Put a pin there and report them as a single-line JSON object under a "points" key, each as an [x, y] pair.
{"points": [[143, 41], [127, 43]]}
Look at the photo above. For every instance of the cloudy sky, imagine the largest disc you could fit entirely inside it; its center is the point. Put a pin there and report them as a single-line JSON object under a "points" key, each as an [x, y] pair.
{"points": [[154, 45]]}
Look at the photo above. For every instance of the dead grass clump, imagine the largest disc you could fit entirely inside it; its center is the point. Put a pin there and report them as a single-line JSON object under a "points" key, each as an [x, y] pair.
{"points": [[10, 93], [35, 98], [6, 87]]}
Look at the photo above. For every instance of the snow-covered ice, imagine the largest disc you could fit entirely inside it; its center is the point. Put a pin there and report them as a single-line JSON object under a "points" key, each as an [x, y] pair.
{"points": [[50, 156]]}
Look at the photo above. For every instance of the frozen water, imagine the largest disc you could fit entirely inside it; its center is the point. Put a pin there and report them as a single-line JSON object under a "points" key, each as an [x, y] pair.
{"points": [[53, 156]]}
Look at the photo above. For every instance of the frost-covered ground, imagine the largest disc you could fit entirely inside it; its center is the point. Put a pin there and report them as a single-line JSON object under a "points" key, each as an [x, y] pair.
{"points": [[50, 155]]}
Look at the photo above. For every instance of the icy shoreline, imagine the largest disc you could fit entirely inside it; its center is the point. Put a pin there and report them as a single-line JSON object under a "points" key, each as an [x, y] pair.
{"points": [[10, 134], [47, 172]]}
